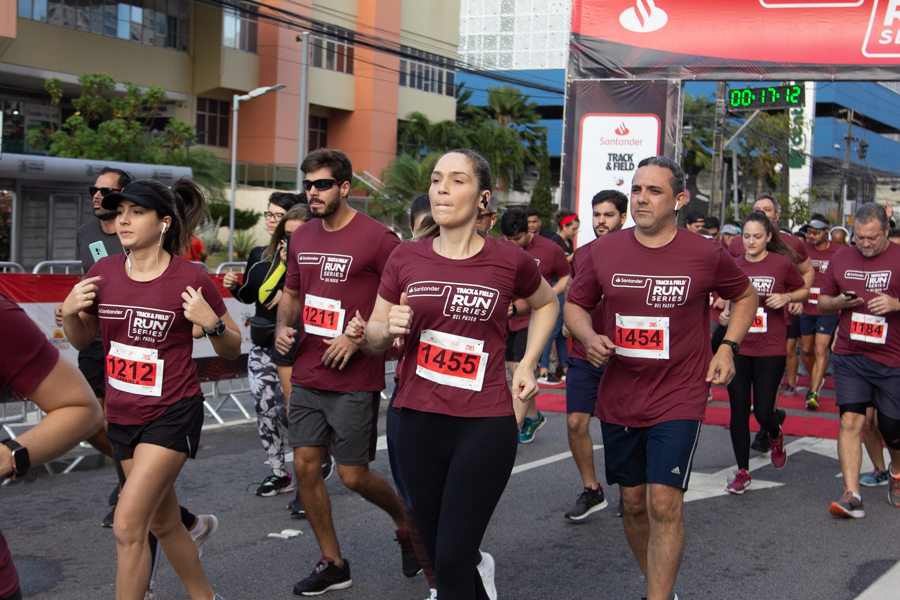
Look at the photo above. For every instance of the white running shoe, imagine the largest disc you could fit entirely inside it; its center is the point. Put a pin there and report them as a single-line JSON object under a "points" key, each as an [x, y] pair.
{"points": [[210, 525], [432, 594], [486, 570]]}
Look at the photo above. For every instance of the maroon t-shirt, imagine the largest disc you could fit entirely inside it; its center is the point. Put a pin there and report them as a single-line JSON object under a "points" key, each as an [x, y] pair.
{"points": [[797, 245], [860, 332], [453, 361], [578, 351], [337, 273], [819, 260], [146, 337], [26, 358], [552, 264], [775, 274], [656, 311]]}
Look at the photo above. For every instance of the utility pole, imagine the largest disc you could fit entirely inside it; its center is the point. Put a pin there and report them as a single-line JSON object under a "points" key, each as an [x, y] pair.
{"points": [[718, 150], [849, 139]]}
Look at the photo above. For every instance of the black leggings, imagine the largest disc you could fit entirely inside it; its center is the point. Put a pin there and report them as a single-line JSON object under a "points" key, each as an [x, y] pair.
{"points": [[764, 374], [455, 469]]}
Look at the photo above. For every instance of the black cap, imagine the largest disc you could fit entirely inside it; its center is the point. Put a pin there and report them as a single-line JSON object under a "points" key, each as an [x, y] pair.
{"points": [[694, 216], [140, 195]]}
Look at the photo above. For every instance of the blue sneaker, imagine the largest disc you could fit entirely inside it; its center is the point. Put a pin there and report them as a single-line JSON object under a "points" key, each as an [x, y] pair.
{"points": [[875, 478], [530, 427]]}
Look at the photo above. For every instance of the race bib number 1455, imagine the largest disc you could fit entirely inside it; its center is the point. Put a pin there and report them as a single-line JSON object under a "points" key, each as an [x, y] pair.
{"points": [[451, 360]]}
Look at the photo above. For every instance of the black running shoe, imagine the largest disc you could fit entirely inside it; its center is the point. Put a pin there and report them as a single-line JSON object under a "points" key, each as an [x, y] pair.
{"points": [[588, 502], [327, 465], [324, 578], [296, 507], [108, 519], [411, 566], [761, 442]]}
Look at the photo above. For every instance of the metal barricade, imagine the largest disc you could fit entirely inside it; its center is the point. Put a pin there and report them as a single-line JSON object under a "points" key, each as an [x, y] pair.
{"points": [[202, 264], [11, 267], [231, 266], [68, 267]]}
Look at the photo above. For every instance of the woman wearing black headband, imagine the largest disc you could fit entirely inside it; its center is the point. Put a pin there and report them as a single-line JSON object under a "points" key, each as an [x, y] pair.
{"points": [[149, 305]]}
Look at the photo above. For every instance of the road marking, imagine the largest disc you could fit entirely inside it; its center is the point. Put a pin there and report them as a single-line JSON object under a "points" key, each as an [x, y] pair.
{"points": [[884, 587], [546, 461]]}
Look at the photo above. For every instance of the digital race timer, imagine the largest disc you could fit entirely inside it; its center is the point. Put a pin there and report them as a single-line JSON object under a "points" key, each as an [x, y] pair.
{"points": [[780, 96]]}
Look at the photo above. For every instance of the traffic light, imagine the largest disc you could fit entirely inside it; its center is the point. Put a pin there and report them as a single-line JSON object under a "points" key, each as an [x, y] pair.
{"points": [[862, 149]]}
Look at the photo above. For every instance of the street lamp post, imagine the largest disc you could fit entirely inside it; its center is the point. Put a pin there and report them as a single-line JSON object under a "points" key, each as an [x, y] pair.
{"points": [[238, 98]]}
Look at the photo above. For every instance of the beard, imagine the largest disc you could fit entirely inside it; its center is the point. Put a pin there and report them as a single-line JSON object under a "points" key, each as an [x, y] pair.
{"points": [[105, 215], [325, 211]]}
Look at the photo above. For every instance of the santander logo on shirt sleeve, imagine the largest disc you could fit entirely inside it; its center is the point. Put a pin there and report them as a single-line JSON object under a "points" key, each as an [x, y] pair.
{"points": [[334, 267], [662, 292], [463, 301]]}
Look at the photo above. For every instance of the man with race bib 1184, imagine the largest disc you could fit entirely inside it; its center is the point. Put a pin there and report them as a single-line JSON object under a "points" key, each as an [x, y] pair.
{"points": [[862, 283], [655, 280]]}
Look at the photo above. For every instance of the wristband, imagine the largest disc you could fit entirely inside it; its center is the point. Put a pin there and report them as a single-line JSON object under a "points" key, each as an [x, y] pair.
{"points": [[515, 309]]}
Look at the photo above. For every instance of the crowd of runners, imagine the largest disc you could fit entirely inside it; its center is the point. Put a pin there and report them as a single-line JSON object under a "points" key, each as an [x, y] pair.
{"points": [[638, 323]]}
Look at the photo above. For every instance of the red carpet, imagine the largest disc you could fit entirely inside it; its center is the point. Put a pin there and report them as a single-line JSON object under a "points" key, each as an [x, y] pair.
{"points": [[551, 402], [800, 426], [798, 402], [552, 386]]}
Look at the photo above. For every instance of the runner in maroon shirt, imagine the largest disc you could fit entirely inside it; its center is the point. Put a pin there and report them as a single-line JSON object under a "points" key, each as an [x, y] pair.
{"points": [[862, 283], [610, 209], [554, 268], [816, 329], [760, 363], [655, 280], [150, 304], [334, 265], [447, 295], [769, 205], [33, 367]]}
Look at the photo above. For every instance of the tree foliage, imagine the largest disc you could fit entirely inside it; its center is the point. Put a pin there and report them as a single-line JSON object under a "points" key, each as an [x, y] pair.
{"points": [[507, 132], [107, 126]]}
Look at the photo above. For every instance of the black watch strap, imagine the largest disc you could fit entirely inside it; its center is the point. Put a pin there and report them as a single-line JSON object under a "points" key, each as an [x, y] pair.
{"points": [[735, 347], [217, 330], [20, 460]]}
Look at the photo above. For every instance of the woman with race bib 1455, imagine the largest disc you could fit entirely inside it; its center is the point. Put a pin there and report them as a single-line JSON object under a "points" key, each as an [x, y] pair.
{"points": [[448, 294]]}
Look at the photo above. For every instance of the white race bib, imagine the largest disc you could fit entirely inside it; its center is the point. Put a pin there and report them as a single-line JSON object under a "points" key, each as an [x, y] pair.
{"points": [[868, 328], [760, 322], [451, 360], [323, 316], [642, 337], [814, 295], [134, 370]]}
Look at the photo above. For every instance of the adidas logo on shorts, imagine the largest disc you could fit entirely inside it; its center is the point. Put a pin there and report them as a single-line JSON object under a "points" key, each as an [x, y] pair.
{"points": [[676, 470]]}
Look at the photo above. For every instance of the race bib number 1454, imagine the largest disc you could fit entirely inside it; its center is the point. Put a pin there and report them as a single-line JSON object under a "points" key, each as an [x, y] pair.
{"points": [[642, 337]]}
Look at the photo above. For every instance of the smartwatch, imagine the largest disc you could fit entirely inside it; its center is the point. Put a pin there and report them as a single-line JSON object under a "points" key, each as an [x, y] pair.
{"points": [[733, 345], [217, 330], [20, 461]]}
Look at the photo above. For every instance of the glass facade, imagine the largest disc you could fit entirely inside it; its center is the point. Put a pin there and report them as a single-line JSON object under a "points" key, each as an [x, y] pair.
{"points": [[160, 23], [515, 34], [436, 76]]}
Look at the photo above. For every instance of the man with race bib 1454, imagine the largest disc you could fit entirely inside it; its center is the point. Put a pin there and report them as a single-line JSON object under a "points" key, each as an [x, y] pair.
{"points": [[862, 283], [655, 280]]}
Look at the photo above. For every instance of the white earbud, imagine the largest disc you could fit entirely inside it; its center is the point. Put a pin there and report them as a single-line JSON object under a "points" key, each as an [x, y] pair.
{"points": [[165, 226]]}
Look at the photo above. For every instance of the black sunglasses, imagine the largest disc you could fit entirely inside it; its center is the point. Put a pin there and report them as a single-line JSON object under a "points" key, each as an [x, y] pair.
{"points": [[103, 191], [320, 184]]}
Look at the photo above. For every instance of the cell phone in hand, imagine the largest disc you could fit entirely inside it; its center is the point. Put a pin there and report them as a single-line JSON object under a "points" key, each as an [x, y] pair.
{"points": [[851, 295]]}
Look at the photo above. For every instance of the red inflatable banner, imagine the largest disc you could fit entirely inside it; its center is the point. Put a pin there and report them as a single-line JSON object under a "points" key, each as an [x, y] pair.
{"points": [[746, 39]]}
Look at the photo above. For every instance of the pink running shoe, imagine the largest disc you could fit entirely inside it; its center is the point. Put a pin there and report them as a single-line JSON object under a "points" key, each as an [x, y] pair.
{"points": [[740, 482], [779, 456]]}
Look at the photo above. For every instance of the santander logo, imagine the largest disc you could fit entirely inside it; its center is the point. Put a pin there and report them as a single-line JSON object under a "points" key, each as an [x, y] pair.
{"points": [[622, 130], [643, 17]]}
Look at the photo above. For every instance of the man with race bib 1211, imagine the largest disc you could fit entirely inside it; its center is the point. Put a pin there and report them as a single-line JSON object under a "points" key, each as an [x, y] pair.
{"points": [[862, 283], [655, 280], [335, 263]]}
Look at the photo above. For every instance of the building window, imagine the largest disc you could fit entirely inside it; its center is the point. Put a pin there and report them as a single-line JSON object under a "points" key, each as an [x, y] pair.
{"points": [[427, 72], [240, 28], [318, 133], [332, 50], [212, 122], [160, 23]]}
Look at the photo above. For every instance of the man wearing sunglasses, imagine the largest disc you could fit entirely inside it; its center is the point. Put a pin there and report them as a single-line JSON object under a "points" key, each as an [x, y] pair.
{"points": [[333, 273], [816, 328]]}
